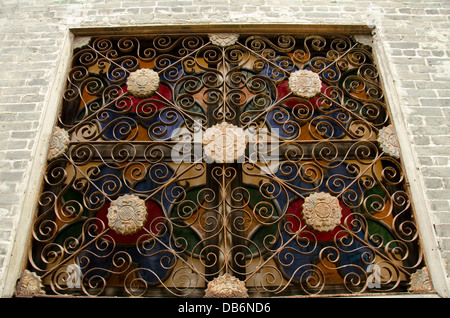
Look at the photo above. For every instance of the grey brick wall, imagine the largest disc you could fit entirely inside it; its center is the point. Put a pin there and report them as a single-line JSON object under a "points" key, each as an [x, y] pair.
{"points": [[415, 35]]}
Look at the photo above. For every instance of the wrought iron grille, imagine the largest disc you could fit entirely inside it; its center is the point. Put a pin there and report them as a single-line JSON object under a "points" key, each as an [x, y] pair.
{"points": [[177, 159]]}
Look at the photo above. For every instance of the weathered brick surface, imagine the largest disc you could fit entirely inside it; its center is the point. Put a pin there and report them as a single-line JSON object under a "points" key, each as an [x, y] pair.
{"points": [[415, 34]]}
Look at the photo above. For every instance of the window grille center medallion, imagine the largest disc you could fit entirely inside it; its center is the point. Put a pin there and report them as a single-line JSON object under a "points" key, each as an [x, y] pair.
{"points": [[127, 214], [322, 212], [143, 83], [305, 83], [224, 143]]}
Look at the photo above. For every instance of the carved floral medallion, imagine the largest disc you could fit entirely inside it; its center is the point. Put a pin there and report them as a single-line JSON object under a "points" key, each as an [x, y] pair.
{"points": [[127, 214], [59, 143], [420, 282], [143, 83], [224, 143], [223, 39], [30, 284], [305, 83], [322, 212], [226, 286], [388, 141]]}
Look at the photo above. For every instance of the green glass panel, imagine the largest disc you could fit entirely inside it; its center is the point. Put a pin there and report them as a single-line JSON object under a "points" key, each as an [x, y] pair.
{"points": [[186, 239], [375, 228]]}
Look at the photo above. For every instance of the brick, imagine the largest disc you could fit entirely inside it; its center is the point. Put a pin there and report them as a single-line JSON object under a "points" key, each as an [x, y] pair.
{"points": [[421, 140], [420, 93], [397, 17], [7, 188], [432, 11], [11, 126], [424, 53], [28, 116], [443, 102], [441, 140], [436, 124], [11, 175], [22, 135], [445, 244], [443, 230], [4, 247], [432, 149], [431, 85], [409, 52], [433, 183], [18, 154], [425, 161], [18, 107], [404, 45], [11, 145], [416, 120], [443, 172], [440, 206], [427, 111], [7, 117], [415, 76], [437, 60], [441, 161]]}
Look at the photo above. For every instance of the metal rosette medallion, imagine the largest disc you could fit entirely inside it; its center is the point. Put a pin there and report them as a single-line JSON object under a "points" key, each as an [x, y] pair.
{"points": [[29, 284], [305, 83], [224, 143], [223, 39], [143, 83], [127, 214], [322, 212], [388, 141], [59, 143], [226, 286]]}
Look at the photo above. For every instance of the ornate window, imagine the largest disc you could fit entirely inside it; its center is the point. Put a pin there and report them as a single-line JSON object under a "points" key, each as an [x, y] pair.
{"points": [[223, 165]]}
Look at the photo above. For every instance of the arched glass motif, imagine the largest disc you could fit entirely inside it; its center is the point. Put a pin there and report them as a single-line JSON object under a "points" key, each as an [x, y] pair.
{"points": [[318, 202]]}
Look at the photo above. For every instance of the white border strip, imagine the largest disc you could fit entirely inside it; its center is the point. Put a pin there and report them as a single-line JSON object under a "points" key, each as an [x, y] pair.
{"points": [[33, 177], [428, 236]]}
